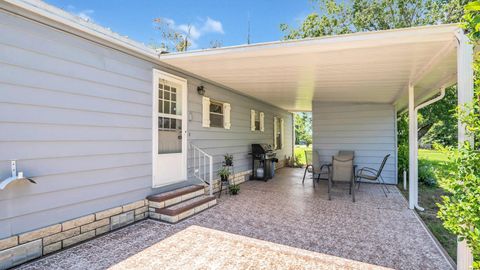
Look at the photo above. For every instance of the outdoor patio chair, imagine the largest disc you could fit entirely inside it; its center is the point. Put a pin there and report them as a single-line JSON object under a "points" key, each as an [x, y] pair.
{"points": [[372, 175], [342, 170], [318, 170], [309, 164]]}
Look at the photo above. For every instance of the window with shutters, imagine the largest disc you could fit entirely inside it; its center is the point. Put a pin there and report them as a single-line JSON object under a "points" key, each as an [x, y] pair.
{"points": [[216, 114], [257, 121]]}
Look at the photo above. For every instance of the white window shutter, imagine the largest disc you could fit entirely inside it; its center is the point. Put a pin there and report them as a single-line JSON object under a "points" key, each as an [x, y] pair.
{"points": [[226, 116], [252, 120], [205, 112], [275, 132], [262, 122], [282, 132]]}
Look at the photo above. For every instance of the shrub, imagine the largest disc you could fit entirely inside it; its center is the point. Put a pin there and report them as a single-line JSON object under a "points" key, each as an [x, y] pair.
{"points": [[402, 160], [460, 210], [426, 173]]}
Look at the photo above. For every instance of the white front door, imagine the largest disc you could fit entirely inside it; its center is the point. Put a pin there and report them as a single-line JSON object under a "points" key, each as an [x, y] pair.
{"points": [[169, 129]]}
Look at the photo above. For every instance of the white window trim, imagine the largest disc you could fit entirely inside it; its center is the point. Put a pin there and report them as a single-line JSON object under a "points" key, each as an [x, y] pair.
{"points": [[226, 113], [253, 120]]}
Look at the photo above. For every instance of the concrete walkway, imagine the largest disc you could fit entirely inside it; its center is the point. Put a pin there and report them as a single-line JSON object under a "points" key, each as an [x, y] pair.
{"points": [[375, 230]]}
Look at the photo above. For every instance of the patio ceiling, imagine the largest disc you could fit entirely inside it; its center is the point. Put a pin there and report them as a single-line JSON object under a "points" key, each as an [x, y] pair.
{"points": [[371, 67]]}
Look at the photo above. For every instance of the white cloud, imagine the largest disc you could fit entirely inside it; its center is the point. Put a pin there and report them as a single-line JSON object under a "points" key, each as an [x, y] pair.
{"points": [[196, 30], [213, 26], [86, 15]]}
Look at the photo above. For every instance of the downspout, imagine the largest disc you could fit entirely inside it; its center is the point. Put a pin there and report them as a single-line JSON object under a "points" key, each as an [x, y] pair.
{"points": [[423, 105]]}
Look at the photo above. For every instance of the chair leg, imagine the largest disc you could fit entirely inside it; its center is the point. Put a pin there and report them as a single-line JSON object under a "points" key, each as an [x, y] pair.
{"points": [[353, 192], [384, 186], [383, 181], [304, 174], [329, 189], [359, 182]]}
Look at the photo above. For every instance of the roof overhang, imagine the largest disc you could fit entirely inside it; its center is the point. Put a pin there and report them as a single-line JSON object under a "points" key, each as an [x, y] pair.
{"points": [[370, 67]]}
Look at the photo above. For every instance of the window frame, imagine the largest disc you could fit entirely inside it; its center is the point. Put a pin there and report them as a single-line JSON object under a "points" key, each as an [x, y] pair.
{"points": [[221, 104]]}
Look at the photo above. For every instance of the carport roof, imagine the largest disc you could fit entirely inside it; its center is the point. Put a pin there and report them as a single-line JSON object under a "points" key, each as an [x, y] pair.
{"points": [[369, 67]]}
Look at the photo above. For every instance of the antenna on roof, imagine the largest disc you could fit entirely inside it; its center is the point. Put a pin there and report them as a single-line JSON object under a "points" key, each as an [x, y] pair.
{"points": [[248, 28]]}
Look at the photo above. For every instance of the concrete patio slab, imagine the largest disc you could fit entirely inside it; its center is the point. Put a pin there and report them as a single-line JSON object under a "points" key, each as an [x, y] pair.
{"points": [[202, 248], [375, 230]]}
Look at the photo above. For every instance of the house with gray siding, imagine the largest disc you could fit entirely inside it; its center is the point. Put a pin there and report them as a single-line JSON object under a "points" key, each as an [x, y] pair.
{"points": [[108, 129]]}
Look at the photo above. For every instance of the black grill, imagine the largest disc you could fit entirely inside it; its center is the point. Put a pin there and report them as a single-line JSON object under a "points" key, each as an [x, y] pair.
{"points": [[262, 158]]}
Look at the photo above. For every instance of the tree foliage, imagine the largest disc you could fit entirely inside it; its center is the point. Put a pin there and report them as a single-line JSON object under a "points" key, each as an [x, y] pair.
{"points": [[303, 128], [172, 40], [460, 210], [332, 17]]}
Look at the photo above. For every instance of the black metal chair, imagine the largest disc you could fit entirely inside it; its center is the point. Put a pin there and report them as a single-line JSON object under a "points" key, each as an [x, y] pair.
{"points": [[374, 176]]}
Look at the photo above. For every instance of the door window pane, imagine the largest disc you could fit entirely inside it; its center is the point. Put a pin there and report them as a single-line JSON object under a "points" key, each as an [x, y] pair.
{"points": [[166, 107], [170, 140], [160, 106], [173, 108]]}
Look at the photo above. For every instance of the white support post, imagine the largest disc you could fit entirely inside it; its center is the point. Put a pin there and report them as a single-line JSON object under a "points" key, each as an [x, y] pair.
{"points": [[465, 95], [412, 144]]}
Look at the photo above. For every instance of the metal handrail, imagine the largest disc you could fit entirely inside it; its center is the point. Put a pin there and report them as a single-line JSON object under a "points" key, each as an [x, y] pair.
{"points": [[199, 157]]}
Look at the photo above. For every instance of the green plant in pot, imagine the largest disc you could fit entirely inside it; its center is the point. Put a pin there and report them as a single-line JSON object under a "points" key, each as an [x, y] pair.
{"points": [[234, 189], [224, 173], [228, 160]]}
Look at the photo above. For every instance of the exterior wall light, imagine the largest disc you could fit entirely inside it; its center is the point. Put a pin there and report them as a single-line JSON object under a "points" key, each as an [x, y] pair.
{"points": [[201, 90]]}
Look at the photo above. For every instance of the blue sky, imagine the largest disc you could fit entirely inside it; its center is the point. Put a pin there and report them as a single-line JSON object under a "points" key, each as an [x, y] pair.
{"points": [[225, 21]]}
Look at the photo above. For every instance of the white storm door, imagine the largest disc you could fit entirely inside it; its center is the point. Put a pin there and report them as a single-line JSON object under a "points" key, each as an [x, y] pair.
{"points": [[169, 129]]}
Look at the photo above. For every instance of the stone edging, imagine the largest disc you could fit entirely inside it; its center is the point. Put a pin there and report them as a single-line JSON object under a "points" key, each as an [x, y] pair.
{"points": [[24, 247]]}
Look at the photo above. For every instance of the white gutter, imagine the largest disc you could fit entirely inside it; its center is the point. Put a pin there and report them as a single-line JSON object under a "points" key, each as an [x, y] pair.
{"points": [[415, 148]]}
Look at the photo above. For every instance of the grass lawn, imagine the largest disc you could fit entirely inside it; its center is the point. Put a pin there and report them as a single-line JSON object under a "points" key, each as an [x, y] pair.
{"points": [[429, 196], [300, 153]]}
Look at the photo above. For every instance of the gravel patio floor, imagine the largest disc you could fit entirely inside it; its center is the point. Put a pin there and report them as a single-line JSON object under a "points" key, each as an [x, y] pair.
{"points": [[375, 229]]}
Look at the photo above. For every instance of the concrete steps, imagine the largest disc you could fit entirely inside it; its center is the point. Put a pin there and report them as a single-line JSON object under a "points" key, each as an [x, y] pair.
{"points": [[179, 204]]}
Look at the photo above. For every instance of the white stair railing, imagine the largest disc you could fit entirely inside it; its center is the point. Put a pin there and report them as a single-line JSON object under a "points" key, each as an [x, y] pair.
{"points": [[203, 166]]}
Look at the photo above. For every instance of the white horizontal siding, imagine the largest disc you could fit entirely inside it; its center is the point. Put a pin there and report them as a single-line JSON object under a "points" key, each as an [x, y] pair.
{"points": [[77, 117], [236, 141], [367, 129]]}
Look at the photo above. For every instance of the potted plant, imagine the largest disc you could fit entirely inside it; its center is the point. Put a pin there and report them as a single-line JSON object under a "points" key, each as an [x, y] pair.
{"points": [[228, 160], [224, 173], [234, 189]]}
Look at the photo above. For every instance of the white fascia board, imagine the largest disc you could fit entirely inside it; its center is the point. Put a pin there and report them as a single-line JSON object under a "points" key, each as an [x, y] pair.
{"points": [[376, 38]]}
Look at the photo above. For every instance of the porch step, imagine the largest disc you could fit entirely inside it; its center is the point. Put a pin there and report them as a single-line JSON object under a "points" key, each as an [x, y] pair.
{"points": [[176, 205], [175, 196], [183, 210]]}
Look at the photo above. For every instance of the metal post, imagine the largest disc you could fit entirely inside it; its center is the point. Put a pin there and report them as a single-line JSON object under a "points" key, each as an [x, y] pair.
{"points": [[412, 119], [465, 95], [404, 180]]}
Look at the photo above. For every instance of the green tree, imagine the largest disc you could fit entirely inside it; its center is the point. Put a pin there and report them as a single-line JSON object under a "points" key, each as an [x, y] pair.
{"points": [[303, 128], [172, 40], [460, 210], [333, 18]]}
